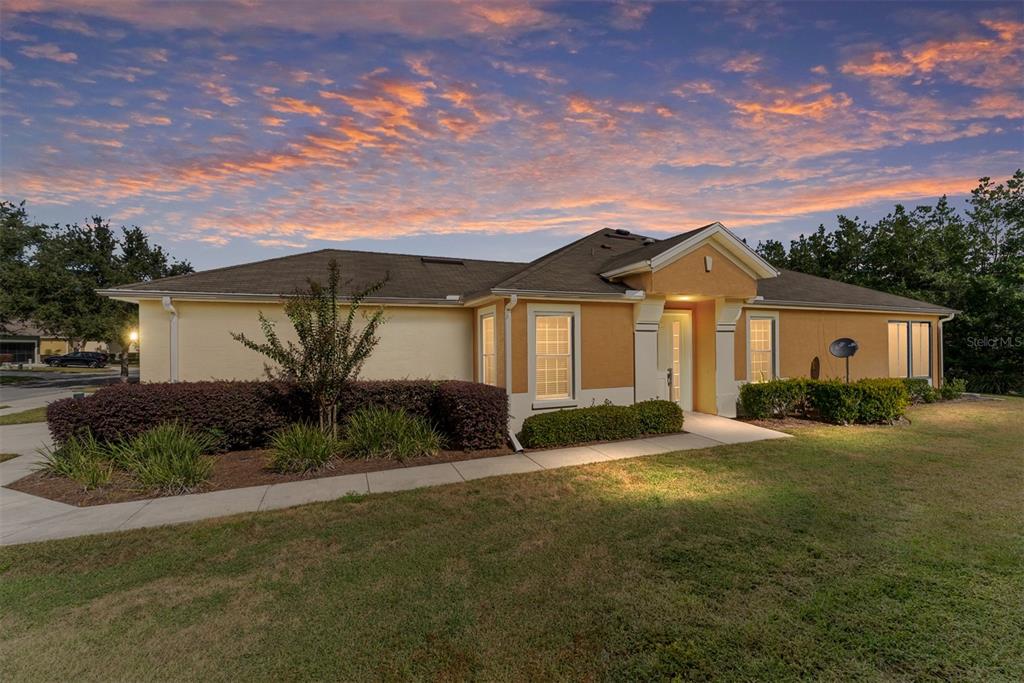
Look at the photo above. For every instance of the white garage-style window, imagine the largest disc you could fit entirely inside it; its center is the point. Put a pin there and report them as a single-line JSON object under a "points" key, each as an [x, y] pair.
{"points": [[910, 349], [762, 347], [554, 342], [487, 346]]}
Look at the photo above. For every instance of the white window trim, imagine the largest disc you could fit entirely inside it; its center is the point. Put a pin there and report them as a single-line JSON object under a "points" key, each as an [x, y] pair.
{"points": [[764, 315], [480, 315], [572, 310]]}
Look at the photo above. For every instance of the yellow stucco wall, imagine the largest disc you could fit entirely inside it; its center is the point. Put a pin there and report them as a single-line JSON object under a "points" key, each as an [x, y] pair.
{"points": [[207, 351], [804, 334]]}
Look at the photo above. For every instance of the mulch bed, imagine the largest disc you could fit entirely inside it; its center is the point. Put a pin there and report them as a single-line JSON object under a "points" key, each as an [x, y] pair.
{"points": [[233, 470]]}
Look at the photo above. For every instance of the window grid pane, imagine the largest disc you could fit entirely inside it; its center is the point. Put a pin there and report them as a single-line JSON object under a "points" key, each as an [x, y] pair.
{"points": [[488, 364], [762, 355], [553, 340], [677, 389]]}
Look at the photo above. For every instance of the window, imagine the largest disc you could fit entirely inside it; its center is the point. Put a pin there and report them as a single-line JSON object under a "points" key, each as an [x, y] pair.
{"points": [[488, 356], [761, 335], [910, 349], [554, 361]]}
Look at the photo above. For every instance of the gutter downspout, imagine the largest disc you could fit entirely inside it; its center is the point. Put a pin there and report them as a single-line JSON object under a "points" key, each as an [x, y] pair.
{"points": [[512, 301], [169, 307], [942, 349]]}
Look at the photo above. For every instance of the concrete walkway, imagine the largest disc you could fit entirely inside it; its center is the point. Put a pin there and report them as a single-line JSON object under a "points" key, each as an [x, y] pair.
{"points": [[25, 518]]}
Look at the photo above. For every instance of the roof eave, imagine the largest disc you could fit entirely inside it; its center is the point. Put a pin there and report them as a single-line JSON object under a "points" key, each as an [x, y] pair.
{"points": [[134, 295], [628, 295], [773, 303]]}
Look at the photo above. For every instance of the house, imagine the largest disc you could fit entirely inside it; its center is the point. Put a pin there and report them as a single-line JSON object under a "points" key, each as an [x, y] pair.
{"points": [[613, 316], [23, 341]]}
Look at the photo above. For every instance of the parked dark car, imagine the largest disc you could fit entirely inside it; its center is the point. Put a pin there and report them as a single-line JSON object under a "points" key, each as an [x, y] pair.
{"points": [[82, 359]]}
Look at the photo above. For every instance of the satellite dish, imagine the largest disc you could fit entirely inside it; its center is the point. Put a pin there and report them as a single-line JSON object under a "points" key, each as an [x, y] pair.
{"points": [[843, 347]]}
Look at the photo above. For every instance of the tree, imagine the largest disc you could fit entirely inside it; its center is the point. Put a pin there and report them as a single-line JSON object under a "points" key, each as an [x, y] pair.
{"points": [[49, 274], [973, 263], [330, 350]]}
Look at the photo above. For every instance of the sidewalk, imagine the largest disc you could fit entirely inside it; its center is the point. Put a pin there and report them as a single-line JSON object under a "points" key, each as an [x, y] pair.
{"points": [[25, 518]]}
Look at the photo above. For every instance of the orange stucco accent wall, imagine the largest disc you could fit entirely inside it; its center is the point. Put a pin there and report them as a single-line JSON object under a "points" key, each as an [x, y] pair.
{"points": [[606, 336], [806, 334], [606, 332], [687, 276]]}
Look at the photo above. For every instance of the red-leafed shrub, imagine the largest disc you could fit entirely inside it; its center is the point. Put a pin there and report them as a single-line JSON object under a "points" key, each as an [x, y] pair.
{"points": [[245, 414], [472, 416], [241, 414]]}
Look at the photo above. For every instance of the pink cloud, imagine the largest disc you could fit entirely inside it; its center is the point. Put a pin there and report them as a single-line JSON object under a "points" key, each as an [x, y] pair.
{"points": [[49, 51]]}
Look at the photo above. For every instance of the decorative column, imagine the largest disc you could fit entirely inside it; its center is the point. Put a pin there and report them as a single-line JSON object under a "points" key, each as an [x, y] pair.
{"points": [[726, 390], [648, 382]]}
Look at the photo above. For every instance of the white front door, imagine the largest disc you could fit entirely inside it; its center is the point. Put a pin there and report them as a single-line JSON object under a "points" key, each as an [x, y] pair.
{"points": [[675, 357]]}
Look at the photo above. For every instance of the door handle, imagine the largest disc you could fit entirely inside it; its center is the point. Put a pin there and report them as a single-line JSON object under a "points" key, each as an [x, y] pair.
{"points": [[668, 376]]}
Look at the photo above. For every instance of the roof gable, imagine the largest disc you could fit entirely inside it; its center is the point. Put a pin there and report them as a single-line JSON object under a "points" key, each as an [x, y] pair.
{"points": [[663, 252]]}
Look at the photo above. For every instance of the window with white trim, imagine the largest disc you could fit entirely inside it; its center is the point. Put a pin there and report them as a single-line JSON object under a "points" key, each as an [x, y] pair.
{"points": [[553, 353], [910, 349], [761, 342], [488, 351]]}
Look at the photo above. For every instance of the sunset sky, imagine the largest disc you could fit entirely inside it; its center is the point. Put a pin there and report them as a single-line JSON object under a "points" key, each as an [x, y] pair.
{"points": [[242, 130]]}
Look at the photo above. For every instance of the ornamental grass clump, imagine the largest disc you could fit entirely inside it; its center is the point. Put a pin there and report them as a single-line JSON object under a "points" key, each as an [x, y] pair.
{"points": [[81, 458], [374, 432], [170, 457], [302, 448]]}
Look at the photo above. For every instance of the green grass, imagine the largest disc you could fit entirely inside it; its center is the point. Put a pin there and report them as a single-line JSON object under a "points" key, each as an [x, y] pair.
{"points": [[881, 553], [16, 379], [24, 417]]}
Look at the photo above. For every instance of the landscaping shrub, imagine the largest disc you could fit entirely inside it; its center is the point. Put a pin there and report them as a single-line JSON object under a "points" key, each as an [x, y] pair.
{"points": [[472, 416], [377, 432], [952, 388], [246, 414], [170, 457], [775, 398], [301, 448], [920, 390], [659, 417], [80, 458], [865, 401], [833, 400], [605, 422], [881, 400]]}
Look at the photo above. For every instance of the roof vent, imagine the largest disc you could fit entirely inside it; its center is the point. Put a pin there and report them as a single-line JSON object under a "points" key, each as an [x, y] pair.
{"points": [[649, 240], [620, 231], [442, 259]]}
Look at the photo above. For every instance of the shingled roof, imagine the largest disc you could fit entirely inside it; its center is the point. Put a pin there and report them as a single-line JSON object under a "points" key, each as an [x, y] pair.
{"points": [[408, 277], [792, 287], [574, 269]]}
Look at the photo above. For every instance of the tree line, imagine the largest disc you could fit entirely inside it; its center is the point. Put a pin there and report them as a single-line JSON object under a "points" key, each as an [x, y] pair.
{"points": [[970, 260], [49, 275]]}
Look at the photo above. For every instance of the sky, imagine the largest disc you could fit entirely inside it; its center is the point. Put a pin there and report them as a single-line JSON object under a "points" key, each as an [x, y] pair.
{"points": [[239, 130]]}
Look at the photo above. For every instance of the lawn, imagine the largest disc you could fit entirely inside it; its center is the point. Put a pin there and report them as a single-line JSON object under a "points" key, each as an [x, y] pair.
{"points": [[24, 416], [847, 552]]}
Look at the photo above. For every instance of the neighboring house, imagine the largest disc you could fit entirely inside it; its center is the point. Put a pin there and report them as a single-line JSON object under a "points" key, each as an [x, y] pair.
{"points": [[24, 342], [613, 316]]}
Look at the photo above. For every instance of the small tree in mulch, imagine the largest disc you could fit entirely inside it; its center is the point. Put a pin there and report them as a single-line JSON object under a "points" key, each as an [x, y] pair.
{"points": [[331, 347]]}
